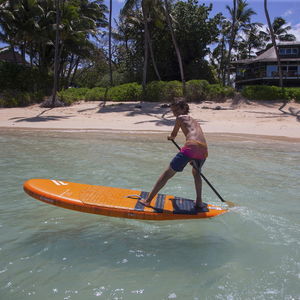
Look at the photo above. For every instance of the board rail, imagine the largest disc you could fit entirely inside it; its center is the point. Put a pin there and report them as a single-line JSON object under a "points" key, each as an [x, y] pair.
{"points": [[115, 202]]}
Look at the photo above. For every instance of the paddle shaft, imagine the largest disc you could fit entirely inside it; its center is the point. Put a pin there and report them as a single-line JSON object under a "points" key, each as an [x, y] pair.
{"points": [[206, 180]]}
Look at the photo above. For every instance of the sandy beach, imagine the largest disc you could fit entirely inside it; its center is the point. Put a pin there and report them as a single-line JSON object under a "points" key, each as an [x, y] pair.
{"points": [[244, 117]]}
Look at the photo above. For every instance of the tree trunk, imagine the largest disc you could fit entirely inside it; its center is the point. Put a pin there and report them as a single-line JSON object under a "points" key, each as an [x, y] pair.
{"points": [[146, 53], [145, 12], [56, 55], [273, 42], [75, 70], [222, 68], [175, 45], [276, 50], [69, 71], [109, 44], [231, 41]]}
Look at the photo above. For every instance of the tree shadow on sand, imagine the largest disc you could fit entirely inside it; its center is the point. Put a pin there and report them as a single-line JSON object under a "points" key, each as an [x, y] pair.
{"points": [[158, 111], [292, 111], [39, 118]]}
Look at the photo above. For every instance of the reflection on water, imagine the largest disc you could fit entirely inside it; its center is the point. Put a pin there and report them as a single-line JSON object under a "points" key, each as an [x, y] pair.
{"points": [[52, 253]]}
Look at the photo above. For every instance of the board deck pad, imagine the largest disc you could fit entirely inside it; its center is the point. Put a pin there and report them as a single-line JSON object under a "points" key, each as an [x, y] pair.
{"points": [[115, 202]]}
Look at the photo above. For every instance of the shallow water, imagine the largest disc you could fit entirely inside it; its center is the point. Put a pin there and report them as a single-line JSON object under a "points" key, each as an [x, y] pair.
{"points": [[52, 253]]}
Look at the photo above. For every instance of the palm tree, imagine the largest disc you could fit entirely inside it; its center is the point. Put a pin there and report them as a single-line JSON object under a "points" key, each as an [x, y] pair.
{"points": [[146, 6], [241, 18], [7, 25], [280, 31], [179, 58], [233, 32], [252, 38], [273, 38]]}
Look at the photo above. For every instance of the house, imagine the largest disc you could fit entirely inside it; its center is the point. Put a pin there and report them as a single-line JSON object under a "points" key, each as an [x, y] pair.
{"points": [[6, 55], [263, 70]]}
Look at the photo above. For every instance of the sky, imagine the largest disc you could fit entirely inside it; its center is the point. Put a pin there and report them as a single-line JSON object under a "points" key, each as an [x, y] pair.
{"points": [[289, 10]]}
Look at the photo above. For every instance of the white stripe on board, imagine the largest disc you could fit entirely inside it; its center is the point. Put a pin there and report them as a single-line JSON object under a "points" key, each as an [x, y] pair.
{"points": [[54, 181], [62, 183]]}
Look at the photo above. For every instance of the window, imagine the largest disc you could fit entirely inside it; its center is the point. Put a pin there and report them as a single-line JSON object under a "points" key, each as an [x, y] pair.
{"points": [[271, 71], [288, 51], [289, 71], [292, 71]]}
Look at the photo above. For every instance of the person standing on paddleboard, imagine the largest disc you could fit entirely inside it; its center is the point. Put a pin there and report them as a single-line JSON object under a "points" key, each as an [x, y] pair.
{"points": [[194, 150]]}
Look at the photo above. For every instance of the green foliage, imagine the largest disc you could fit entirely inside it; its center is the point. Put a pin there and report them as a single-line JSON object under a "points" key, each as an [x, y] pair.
{"points": [[10, 98], [217, 92], [163, 91], [125, 92], [196, 90], [30, 25], [118, 79], [195, 30], [22, 78], [293, 94], [95, 94], [71, 95], [155, 91], [172, 90], [263, 92], [21, 85]]}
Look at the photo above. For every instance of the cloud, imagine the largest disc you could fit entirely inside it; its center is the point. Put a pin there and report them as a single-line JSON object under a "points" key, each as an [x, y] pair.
{"points": [[296, 31], [288, 13]]}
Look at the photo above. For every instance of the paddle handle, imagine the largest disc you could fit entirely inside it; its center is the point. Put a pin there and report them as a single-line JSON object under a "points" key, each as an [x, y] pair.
{"points": [[206, 180]]}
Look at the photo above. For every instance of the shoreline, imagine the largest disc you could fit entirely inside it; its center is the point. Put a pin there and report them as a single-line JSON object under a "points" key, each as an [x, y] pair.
{"points": [[260, 119], [215, 135]]}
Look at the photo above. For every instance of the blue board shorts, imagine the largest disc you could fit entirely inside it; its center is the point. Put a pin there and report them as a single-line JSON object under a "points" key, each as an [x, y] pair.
{"points": [[179, 162]]}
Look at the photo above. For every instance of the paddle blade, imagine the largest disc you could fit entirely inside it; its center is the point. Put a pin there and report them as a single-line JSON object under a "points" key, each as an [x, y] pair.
{"points": [[230, 204]]}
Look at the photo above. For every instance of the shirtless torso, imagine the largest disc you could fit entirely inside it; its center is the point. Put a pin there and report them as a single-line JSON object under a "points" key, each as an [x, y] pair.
{"points": [[190, 128], [195, 145]]}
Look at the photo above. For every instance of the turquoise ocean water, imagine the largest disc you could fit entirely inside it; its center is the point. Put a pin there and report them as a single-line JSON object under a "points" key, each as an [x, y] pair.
{"points": [[47, 252]]}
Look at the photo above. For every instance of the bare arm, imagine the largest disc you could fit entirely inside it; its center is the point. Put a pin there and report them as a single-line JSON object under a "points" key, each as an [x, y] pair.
{"points": [[175, 129]]}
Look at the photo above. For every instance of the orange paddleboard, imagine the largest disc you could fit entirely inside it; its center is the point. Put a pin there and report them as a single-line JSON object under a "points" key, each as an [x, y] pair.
{"points": [[115, 202]]}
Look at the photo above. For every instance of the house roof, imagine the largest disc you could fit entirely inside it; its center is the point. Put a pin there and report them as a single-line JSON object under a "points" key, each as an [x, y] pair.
{"points": [[7, 55], [269, 55]]}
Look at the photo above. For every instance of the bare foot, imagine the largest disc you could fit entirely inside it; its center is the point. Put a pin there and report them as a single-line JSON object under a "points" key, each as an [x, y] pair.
{"points": [[145, 202], [201, 207]]}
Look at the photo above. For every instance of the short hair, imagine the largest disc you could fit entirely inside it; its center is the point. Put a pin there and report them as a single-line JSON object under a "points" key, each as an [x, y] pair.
{"points": [[182, 105]]}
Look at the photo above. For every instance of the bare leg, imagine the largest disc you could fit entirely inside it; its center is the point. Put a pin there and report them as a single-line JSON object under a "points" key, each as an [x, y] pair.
{"points": [[198, 186], [162, 180]]}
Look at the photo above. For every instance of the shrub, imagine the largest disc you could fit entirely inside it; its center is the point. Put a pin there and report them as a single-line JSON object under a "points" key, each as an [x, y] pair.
{"points": [[263, 92], [172, 90], [125, 92], [196, 90], [293, 93], [71, 95], [118, 79], [10, 98], [217, 92], [95, 94], [155, 91], [23, 78]]}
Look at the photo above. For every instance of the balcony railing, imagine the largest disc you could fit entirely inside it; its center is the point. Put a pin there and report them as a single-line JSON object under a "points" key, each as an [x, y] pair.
{"points": [[263, 75]]}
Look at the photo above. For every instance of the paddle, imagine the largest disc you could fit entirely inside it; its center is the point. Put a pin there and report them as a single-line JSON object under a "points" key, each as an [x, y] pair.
{"points": [[230, 204]]}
